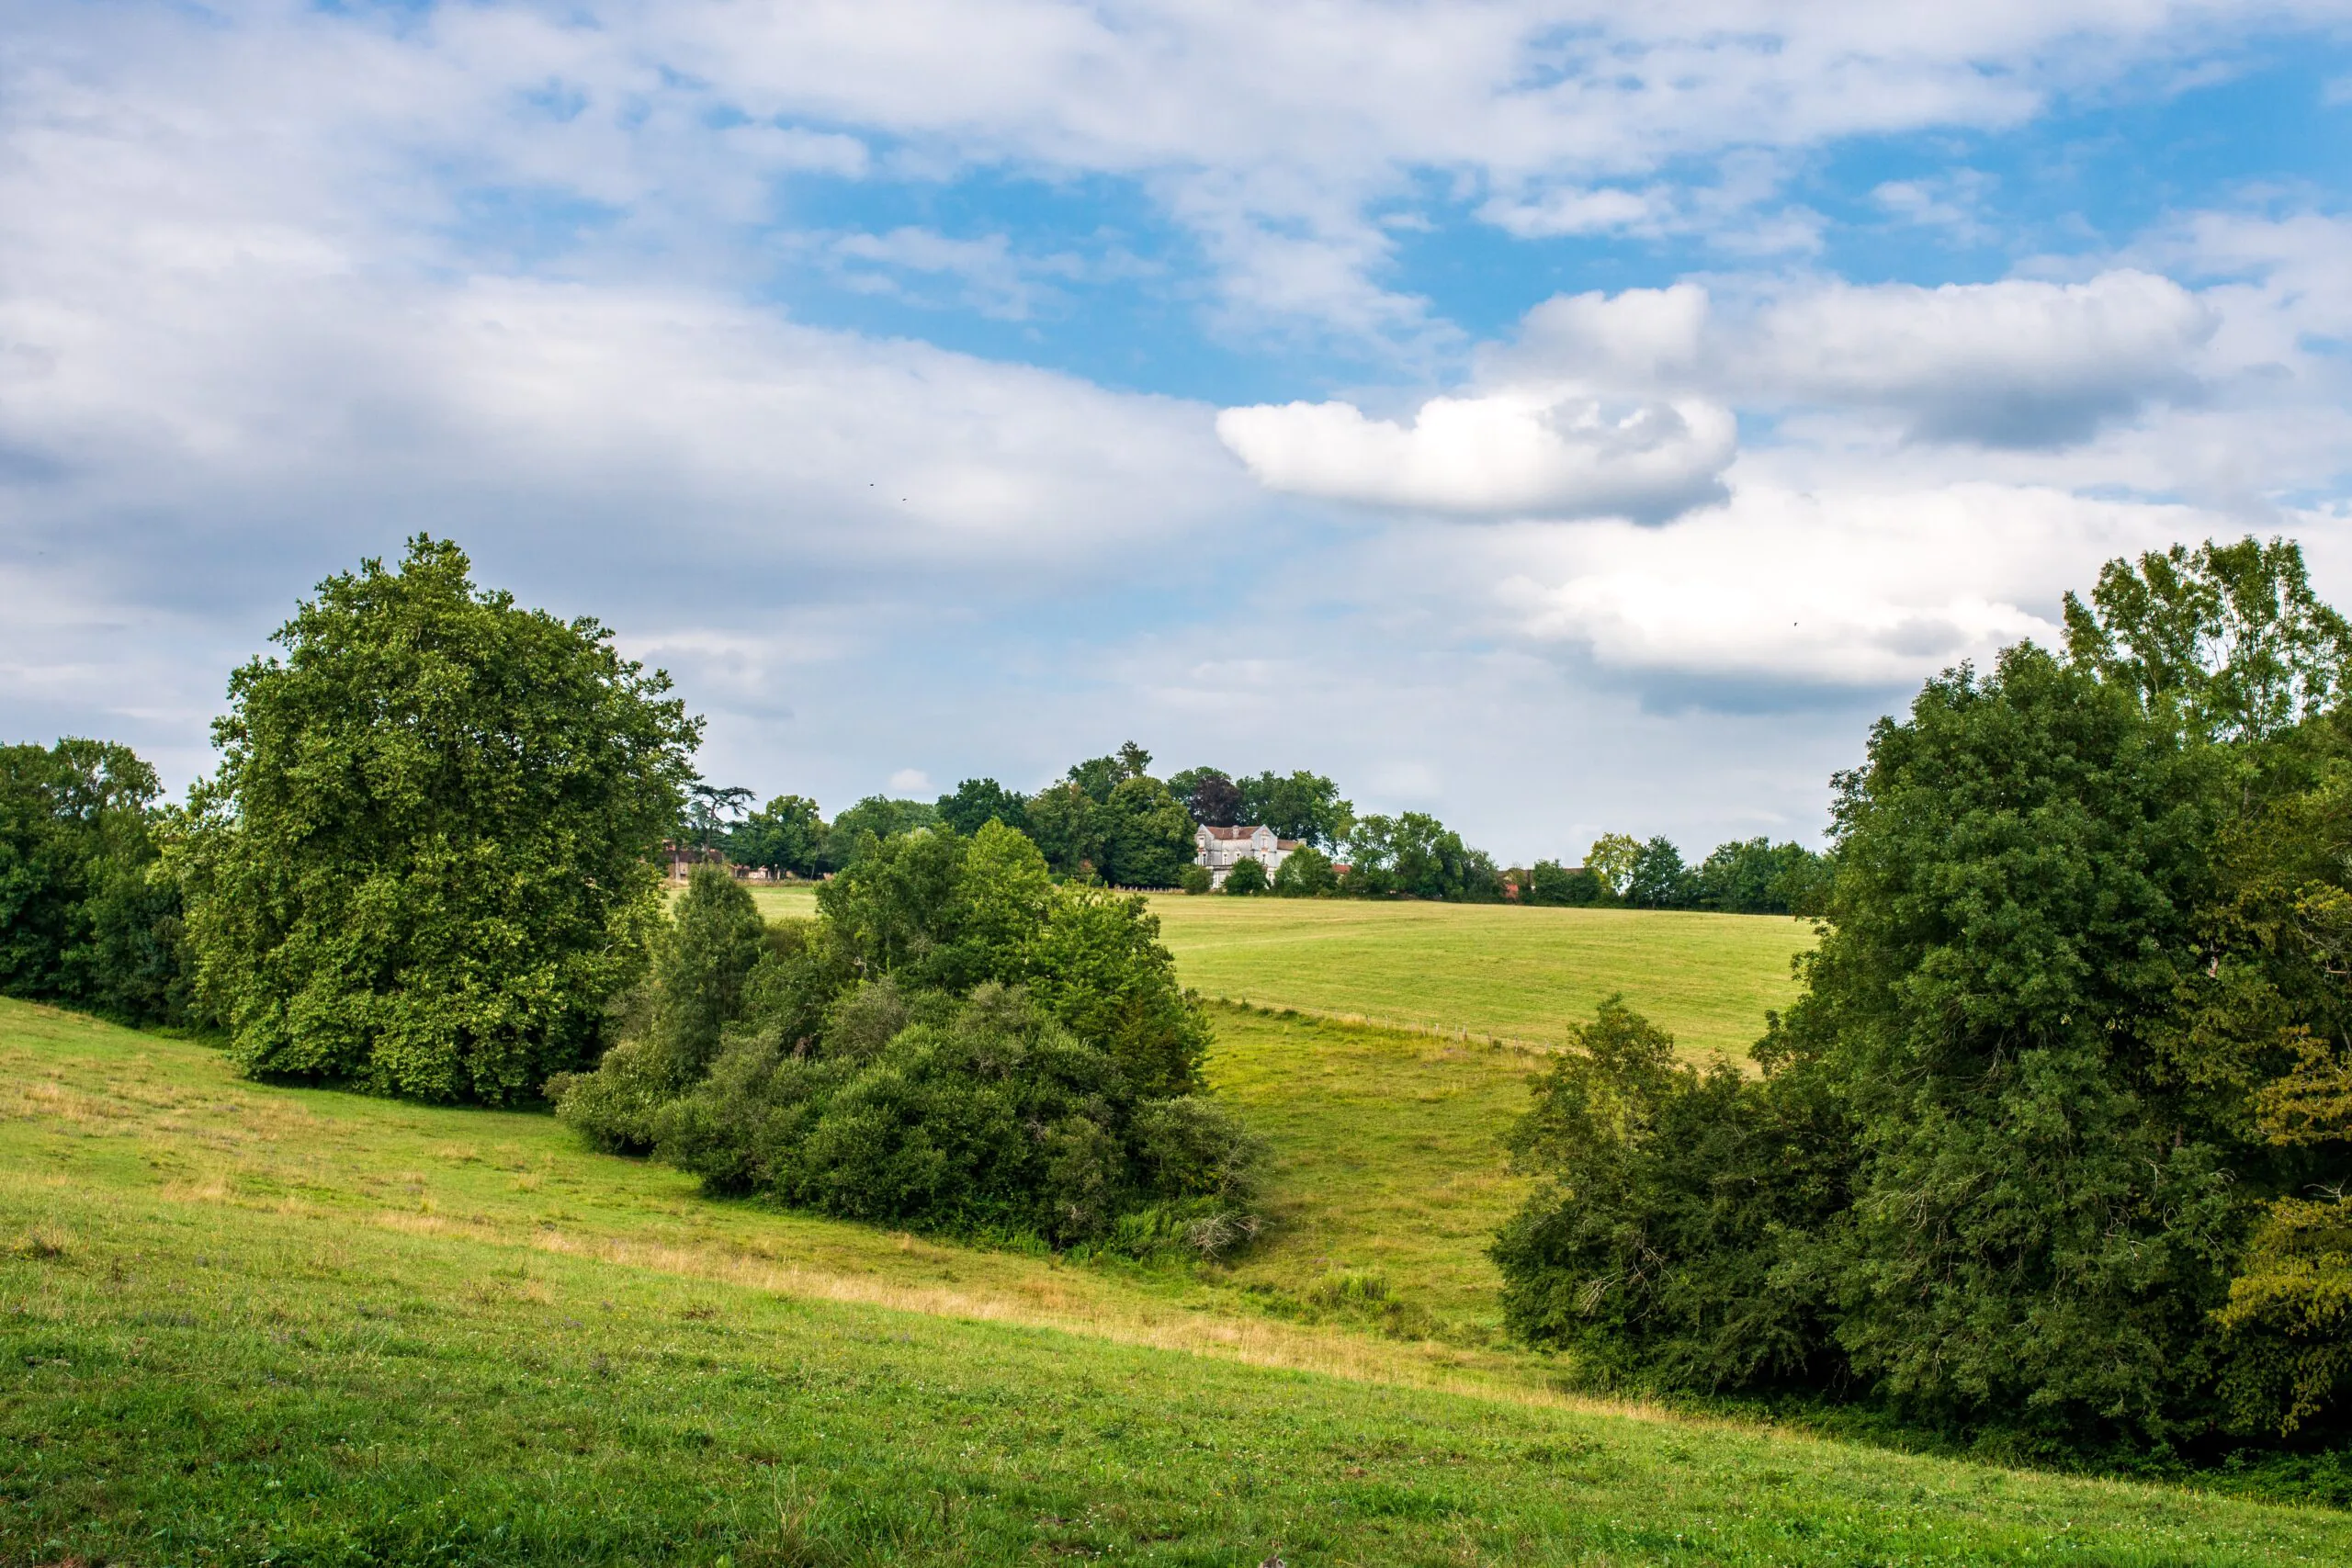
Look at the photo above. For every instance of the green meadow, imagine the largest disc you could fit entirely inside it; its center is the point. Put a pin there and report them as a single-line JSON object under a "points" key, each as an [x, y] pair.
{"points": [[1496, 970], [247, 1324]]}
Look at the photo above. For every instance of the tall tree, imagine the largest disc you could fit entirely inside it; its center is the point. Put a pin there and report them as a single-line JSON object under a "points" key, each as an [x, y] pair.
{"points": [[977, 802], [83, 917], [1611, 860], [1147, 837], [2228, 638], [1066, 823], [1212, 798], [786, 835], [1302, 806], [426, 861]]}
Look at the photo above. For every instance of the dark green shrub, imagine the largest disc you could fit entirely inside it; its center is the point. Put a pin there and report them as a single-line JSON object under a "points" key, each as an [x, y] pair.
{"points": [[1246, 877], [957, 1045], [1306, 873], [86, 916], [1195, 879], [1669, 1239], [1551, 884]]}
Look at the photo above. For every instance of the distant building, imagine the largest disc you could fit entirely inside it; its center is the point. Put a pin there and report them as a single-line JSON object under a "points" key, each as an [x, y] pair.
{"points": [[681, 859], [1222, 849]]}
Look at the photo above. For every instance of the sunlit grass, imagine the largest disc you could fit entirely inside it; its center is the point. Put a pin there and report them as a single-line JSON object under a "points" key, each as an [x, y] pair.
{"points": [[247, 1324], [1488, 969], [1479, 968]]}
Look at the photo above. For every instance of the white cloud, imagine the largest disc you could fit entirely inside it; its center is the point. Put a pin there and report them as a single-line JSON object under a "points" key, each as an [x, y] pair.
{"points": [[1851, 588], [1554, 453], [2018, 363], [1570, 210], [910, 781], [1641, 338], [1273, 134]]}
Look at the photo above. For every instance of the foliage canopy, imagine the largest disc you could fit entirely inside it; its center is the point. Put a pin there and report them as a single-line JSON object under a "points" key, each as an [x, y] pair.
{"points": [[2055, 1136], [957, 1043], [426, 861]]}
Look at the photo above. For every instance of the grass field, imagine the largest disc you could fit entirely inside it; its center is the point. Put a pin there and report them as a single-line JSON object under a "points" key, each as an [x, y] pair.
{"points": [[245, 1323], [1488, 969]]}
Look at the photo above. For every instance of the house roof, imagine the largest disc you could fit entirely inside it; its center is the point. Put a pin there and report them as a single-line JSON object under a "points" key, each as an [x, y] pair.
{"points": [[1217, 832]]}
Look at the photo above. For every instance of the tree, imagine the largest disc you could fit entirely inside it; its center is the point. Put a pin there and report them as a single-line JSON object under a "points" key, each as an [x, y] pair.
{"points": [[1212, 797], [785, 835], [979, 801], [1414, 854], [2229, 638], [84, 917], [1306, 873], [1756, 876], [1664, 1241], [1550, 883], [2055, 1136], [1611, 860], [1064, 822], [1303, 805], [711, 813], [1248, 876], [875, 817], [1098, 776], [1658, 880], [425, 863], [1147, 837]]}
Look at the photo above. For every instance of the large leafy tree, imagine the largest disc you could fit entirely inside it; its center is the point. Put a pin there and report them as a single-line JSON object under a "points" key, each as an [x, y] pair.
{"points": [[2056, 1133], [1147, 834], [83, 917], [1300, 805], [425, 862], [786, 835], [2227, 641], [977, 802], [1068, 825], [875, 817], [1211, 795], [1415, 855]]}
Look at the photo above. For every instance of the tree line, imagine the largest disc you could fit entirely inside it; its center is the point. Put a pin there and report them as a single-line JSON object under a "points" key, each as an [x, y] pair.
{"points": [[2052, 1151], [1109, 818]]}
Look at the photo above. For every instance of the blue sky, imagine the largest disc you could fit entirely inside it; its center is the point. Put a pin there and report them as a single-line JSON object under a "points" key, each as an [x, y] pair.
{"points": [[1561, 420]]}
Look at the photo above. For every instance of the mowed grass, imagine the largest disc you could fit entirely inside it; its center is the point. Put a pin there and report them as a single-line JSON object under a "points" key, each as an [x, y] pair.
{"points": [[244, 1324], [1496, 970], [1389, 1176], [1490, 969]]}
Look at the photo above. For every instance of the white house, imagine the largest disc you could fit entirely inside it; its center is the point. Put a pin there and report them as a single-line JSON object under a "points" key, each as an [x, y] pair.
{"points": [[1222, 849]]}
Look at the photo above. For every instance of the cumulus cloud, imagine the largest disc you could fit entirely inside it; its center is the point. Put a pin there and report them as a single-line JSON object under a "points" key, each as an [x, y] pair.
{"points": [[1852, 588], [2017, 363], [1558, 454]]}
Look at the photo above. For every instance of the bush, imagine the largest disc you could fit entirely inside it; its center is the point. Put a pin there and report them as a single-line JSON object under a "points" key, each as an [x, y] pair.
{"points": [[956, 1044], [426, 865], [1246, 877], [1195, 879], [1548, 883], [1306, 873]]}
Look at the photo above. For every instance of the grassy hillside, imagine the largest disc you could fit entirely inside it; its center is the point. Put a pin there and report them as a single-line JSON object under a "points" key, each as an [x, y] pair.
{"points": [[1707, 979], [245, 1323], [1498, 970]]}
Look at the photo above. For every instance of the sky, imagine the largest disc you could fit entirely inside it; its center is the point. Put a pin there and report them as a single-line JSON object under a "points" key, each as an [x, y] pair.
{"points": [[1564, 418]]}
